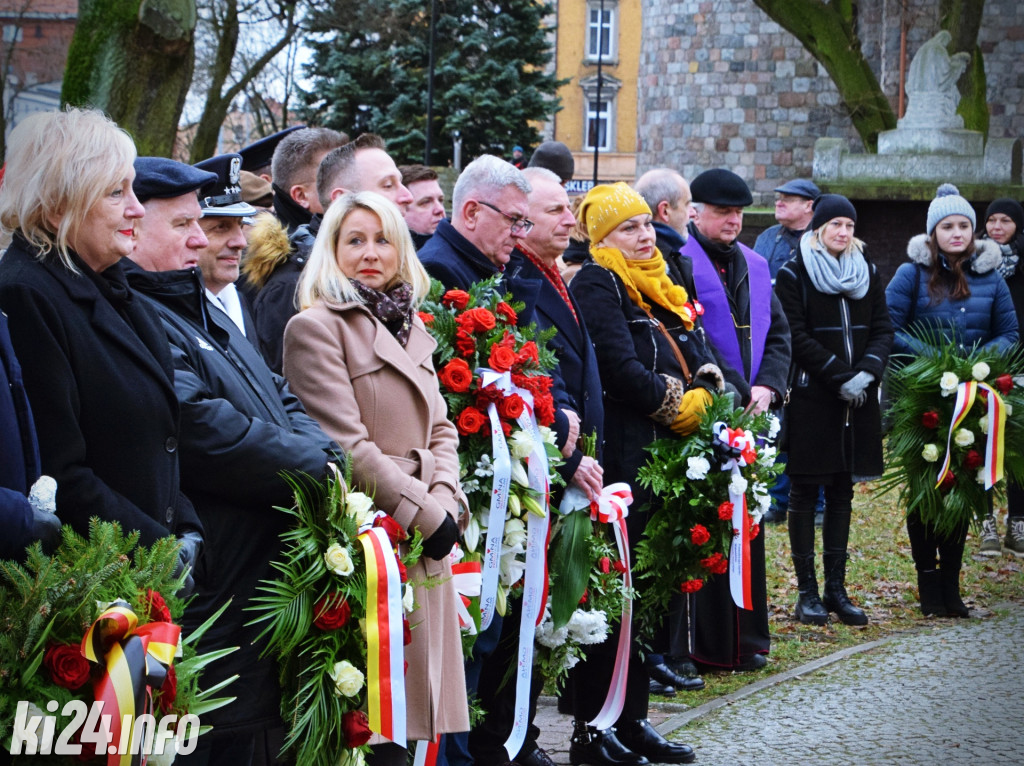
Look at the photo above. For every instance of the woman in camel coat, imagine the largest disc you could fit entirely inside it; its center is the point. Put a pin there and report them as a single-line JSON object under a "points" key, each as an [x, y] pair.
{"points": [[360, 360]]}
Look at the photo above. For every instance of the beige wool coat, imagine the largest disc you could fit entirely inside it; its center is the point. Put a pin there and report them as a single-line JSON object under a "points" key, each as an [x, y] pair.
{"points": [[382, 404]]}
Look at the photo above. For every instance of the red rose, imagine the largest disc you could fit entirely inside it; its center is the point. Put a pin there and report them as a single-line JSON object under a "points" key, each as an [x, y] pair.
{"points": [[1004, 383], [67, 666], [619, 566], [456, 376], [585, 596], [973, 460], [691, 586], [457, 299], [403, 573], [477, 320], [427, 319], [356, 728], [470, 421], [501, 358], [406, 632], [506, 428], [947, 482], [332, 612], [396, 532], [464, 343], [157, 607], [605, 564], [507, 313], [755, 530], [169, 690], [699, 534], [528, 351], [716, 563], [511, 406], [725, 511], [930, 419]]}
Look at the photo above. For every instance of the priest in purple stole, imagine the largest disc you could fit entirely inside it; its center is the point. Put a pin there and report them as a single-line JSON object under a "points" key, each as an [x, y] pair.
{"points": [[750, 335]]}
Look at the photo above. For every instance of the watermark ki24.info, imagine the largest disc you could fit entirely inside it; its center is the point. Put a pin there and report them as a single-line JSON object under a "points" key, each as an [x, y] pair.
{"points": [[34, 733]]}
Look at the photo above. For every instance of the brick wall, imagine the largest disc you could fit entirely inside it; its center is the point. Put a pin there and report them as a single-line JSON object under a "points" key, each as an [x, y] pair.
{"points": [[723, 85]]}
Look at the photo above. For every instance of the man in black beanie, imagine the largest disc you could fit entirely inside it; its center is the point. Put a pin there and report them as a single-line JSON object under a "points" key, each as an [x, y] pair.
{"points": [[748, 330]]}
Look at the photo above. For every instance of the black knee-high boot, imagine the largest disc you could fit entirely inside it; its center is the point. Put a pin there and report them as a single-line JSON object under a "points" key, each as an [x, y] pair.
{"points": [[835, 534], [924, 548], [951, 554], [809, 609]]}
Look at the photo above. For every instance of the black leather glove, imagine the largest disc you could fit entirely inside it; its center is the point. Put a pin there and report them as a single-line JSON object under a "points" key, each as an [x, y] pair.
{"points": [[46, 529], [439, 544], [188, 554]]}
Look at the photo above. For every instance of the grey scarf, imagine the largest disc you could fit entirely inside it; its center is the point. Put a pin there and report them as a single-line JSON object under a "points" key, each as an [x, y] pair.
{"points": [[847, 275]]}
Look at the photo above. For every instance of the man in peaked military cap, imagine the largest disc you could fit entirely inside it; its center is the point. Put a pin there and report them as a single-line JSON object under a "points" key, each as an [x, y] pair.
{"points": [[242, 430], [750, 335], [257, 156], [223, 211]]}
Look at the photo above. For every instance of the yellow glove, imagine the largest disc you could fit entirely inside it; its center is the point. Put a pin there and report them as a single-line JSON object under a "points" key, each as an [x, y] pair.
{"points": [[695, 401]]}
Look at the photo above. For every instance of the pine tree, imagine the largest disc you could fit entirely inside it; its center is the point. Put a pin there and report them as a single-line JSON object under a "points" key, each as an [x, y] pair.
{"points": [[370, 69]]}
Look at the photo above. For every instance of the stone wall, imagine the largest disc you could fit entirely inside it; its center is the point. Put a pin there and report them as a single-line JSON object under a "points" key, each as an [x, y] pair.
{"points": [[723, 85]]}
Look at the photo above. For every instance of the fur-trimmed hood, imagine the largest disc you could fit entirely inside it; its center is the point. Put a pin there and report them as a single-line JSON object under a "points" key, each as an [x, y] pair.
{"points": [[987, 254], [268, 248]]}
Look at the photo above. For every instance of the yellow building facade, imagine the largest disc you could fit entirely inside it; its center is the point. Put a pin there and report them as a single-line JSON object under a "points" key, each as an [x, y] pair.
{"points": [[589, 30]]}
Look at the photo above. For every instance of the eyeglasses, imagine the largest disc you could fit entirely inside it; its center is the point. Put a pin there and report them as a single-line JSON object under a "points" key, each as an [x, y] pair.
{"points": [[518, 225]]}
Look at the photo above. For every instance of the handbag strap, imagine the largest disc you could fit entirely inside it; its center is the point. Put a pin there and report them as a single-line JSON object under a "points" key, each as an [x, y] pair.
{"points": [[675, 349]]}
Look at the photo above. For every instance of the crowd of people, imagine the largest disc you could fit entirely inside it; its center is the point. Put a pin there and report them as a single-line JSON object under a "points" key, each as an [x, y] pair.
{"points": [[178, 339]]}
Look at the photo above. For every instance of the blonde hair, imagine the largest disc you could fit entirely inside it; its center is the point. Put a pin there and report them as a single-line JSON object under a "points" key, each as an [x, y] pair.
{"points": [[323, 279], [58, 165], [855, 244]]}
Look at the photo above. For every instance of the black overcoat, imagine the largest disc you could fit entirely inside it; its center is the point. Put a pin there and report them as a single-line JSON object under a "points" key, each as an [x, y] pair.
{"points": [[19, 453], [834, 338], [241, 429], [99, 378]]}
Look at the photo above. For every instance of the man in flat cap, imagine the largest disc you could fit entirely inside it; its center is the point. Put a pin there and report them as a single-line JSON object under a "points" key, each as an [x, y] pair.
{"points": [[793, 203], [241, 431], [750, 335]]}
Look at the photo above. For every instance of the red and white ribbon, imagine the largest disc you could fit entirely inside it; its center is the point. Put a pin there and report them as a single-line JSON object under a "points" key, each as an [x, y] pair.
{"points": [[535, 584], [467, 580], [739, 549], [385, 651], [612, 507], [501, 464], [426, 753]]}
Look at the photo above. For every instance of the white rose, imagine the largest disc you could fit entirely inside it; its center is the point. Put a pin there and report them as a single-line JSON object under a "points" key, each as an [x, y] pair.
{"points": [[360, 507], [546, 434], [338, 560], [737, 484], [348, 679], [408, 599], [930, 453], [983, 424], [697, 468], [520, 444], [773, 426], [948, 383], [980, 371], [963, 437], [515, 533]]}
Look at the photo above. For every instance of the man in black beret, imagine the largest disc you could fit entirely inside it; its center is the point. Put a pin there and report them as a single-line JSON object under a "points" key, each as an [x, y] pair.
{"points": [[242, 430], [748, 330]]}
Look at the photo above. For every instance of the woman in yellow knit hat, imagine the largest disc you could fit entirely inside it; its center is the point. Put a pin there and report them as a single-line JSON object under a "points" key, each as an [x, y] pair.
{"points": [[657, 375]]}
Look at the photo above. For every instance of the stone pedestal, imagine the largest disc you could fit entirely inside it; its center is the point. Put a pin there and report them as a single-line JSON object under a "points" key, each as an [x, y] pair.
{"points": [[970, 143]]}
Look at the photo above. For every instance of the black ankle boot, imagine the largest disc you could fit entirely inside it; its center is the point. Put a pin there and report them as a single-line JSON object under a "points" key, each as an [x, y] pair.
{"points": [[809, 609], [930, 589], [600, 748], [640, 737], [835, 599], [949, 578]]}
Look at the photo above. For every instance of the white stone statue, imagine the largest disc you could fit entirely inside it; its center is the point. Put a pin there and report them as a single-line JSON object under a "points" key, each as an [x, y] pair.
{"points": [[932, 95]]}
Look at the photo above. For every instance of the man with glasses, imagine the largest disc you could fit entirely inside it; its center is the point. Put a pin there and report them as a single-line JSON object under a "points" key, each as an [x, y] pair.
{"points": [[793, 203]]}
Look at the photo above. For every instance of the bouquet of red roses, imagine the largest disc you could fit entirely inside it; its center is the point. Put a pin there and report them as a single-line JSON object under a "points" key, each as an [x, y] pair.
{"points": [[494, 375]]}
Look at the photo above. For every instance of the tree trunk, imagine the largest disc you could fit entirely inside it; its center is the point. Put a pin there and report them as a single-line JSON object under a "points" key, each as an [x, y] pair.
{"points": [[827, 32], [962, 18], [133, 59]]}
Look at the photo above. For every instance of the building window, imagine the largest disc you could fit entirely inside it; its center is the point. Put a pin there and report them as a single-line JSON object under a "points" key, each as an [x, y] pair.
{"points": [[602, 38], [599, 123], [12, 33], [599, 117]]}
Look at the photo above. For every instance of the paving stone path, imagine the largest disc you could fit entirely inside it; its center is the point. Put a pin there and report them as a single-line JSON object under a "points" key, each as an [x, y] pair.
{"points": [[951, 695]]}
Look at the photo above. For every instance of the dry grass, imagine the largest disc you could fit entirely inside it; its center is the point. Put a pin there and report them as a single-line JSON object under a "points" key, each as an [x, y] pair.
{"points": [[880, 579]]}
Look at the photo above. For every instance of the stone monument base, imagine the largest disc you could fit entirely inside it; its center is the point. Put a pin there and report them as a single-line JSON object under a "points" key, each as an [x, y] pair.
{"points": [[931, 141]]}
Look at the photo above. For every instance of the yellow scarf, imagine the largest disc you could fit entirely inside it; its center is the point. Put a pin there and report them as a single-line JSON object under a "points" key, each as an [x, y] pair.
{"points": [[647, 278]]}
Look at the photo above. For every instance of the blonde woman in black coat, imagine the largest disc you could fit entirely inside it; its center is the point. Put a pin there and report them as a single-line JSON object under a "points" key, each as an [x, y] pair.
{"points": [[839, 323]]}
